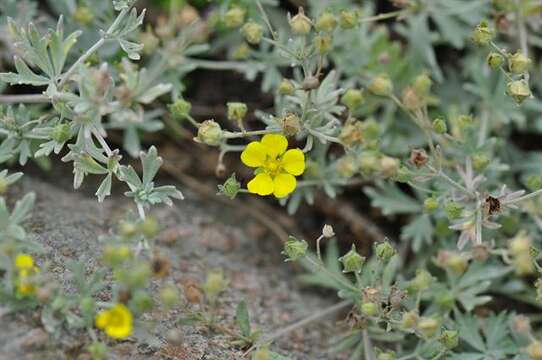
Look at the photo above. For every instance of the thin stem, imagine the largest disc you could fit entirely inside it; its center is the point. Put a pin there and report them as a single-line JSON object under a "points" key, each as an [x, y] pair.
{"points": [[28, 99], [237, 135], [94, 47], [383, 16], [321, 136], [318, 252], [522, 30], [320, 266], [483, 133], [451, 181], [141, 211], [299, 324], [266, 20], [223, 65], [367, 347], [104, 144]]}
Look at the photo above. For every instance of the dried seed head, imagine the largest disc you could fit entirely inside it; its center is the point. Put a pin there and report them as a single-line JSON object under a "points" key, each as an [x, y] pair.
{"points": [[310, 83], [418, 157], [327, 231]]}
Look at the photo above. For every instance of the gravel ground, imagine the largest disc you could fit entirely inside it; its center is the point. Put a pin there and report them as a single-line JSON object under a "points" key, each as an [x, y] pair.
{"points": [[198, 236]]}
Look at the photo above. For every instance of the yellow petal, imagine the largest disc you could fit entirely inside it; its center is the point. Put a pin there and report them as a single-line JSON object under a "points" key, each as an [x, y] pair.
{"points": [[254, 154], [24, 261], [101, 319], [293, 161], [284, 185], [262, 184], [276, 144]]}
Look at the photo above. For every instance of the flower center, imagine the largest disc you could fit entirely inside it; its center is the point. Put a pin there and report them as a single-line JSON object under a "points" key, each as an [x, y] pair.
{"points": [[273, 166]]}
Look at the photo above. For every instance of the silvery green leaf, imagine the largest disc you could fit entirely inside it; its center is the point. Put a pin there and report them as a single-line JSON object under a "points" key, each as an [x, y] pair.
{"points": [[105, 188], [242, 319], [154, 92], [23, 76], [129, 175], [131, 48], [151, 163], [22, 208], [389, 198]]}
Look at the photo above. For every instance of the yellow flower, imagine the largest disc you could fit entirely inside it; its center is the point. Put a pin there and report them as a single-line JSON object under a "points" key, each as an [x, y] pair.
{"points": [[117, 322], [276, 167], [24, 262], [24, 286]]}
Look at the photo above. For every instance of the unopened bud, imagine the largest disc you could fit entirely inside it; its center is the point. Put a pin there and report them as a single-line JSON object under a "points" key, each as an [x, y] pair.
{"points": [[327, 231], [286, 87], [450, 339], [241, 52], [384, 251], [210, 133], [214, 284], [351, 133], [411, 99], [180, 109], [439, 125], [327, 22], [534, 350], [237, 111], [234, 17], [430, 205], [294, 248], [169, 296], [300, 24], [495, 60], [310, 83], [353, 99], [389, 166], [409, 320], [422, 280], [253, 32], [290, 124], [61, 133], [352, 261], [348, 19], [482, 34], [323, 44], [369, 309], [381, 85], [518, 63], [519, 90], [230, 188], [428, 327], [422, 84]]}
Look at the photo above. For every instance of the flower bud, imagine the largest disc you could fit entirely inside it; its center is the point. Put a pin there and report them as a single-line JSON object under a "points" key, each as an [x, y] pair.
{"points": [[286, 87], [482, 34], [389, 166], [409, 320], [230, 188], [290, 124], [237, 111], [210, 133], [495, 60], [422, 84], [369, 309], [149, 227], [323, 44], [480, 161], [422, 280], [83, 15], [234, 17], [97, 350], [116, 255], [430, 205], [534, 350], [521, 325], [386, 355], [300, 24], [347, 166], [149, 40], [456, 262], [169, 296], [61, 133], [403, 175], [428, 327], [142, 301], [453, 210], [519, 90], [533, 182], [518, 63], [327, 22], [520, 244], [411, 99], [127, 228], [368, 162], [348, 19], [381, 85], [253, 32], [262, 353], [294, 248], [352, 261], [215, 284], [241, 52], [327, 231], [418, 157], [174, 337], [384, 251], [353, 99], [523, 265], [310, 83], [450, 339], [351, 133], [439, 125]]}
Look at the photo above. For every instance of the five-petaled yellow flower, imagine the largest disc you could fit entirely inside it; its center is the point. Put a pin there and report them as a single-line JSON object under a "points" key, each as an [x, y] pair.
{"points": [[24, 284], [276, 167], [117, 322]]}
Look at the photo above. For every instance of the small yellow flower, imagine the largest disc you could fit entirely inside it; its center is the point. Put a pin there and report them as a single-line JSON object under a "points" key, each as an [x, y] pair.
{"points": [[24, 262], [276, 167], [117, 322]]}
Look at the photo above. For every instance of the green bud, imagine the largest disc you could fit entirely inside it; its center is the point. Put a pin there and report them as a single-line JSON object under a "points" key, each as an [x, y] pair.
{"points": [[534, 182], [294, 248], [381, 85], [348, 19], [127, 228], [241, 52], [353, 99], [409, 320], [262, 353], [300, 24], [352, 261], [464, 121], [286, 87], [428, 327], [369, 162], [210, 133], [518, 63], [495, 60], [139, 275], [386, 355], [237, 111], [369, 309], [323, 44], [149, 227], [351, 133], [519, 90], [290, 124], [480, 161], [430, 205], [384, 251], [389, 166], [453, 210], [445, 299], [403, 175], [141, 301], [253, 32], [327, 22], [230, 188], [422, 84], [411, 99], [234, 17], [422, 280], [180, 109], [97, 350], [169, 296], [482, 34], [83, 15], [534, 350], [439, 126], [450, 339], [215, 284], [61, 133], [347, 166]]}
